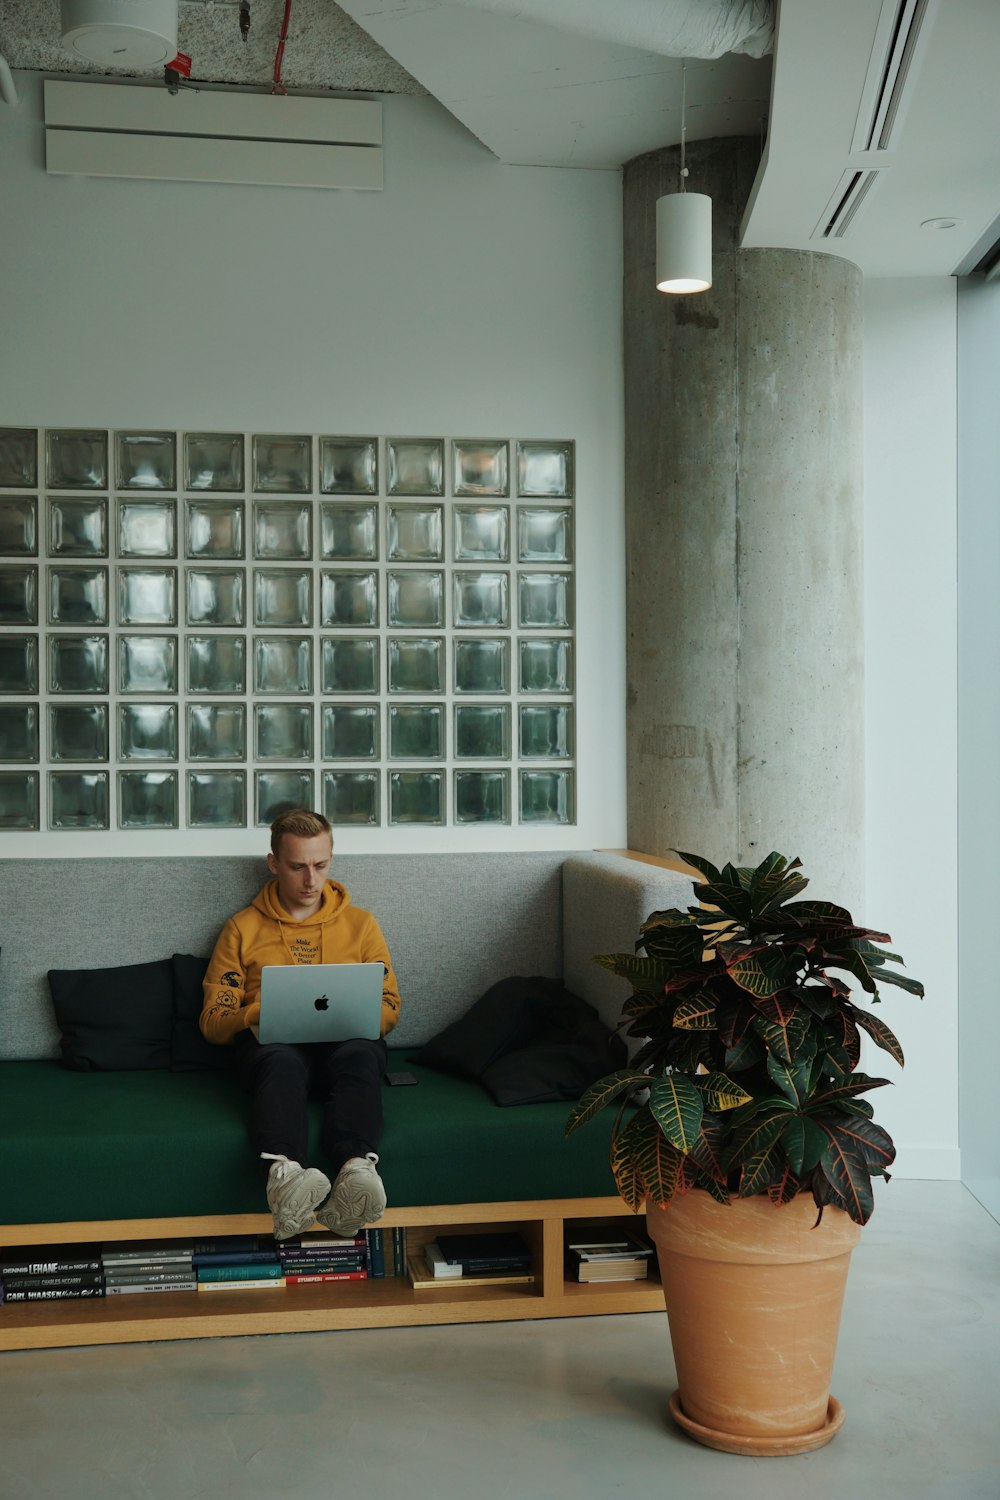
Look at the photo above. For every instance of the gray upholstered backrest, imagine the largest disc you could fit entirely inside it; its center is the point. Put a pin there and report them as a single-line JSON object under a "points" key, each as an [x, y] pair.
{"points": [[455, 923]]}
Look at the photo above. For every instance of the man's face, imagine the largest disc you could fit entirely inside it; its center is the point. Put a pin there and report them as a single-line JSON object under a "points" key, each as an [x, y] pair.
{"points": [[301, 866]]}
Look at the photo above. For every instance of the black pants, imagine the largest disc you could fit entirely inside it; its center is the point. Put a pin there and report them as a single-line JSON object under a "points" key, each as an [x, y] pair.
{"points": [[280, 1076]]}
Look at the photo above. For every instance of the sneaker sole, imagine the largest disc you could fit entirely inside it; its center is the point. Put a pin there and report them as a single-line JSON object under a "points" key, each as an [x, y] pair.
{"points": [[351, 1206]]}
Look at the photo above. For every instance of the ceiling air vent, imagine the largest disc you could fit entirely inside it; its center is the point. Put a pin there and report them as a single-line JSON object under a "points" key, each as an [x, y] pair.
{"points": [[843, 208], [896, 54]]}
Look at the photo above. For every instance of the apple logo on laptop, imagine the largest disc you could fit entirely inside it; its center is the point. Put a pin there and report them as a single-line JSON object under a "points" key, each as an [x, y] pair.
{"points": [[322, 1003]]}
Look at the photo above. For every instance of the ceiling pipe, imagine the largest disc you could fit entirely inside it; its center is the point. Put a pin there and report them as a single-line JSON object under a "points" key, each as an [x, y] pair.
{"points": [[674, 28], [8, 88]]}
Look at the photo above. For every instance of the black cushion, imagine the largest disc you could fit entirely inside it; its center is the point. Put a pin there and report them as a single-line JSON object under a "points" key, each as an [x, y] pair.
{"points": [[112, 1019], [189, 1051], [527, 1041]]}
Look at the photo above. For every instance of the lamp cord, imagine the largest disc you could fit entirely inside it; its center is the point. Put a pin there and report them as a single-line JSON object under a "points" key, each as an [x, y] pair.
{"points": [[684, 170]]}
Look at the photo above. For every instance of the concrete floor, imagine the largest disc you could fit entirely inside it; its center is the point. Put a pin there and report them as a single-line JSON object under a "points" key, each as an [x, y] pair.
{"points": [[560, 1410]]}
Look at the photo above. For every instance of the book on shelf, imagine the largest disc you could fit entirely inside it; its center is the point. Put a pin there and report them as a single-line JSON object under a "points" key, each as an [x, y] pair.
{"points": [[127, 1288], [256, 1283], [422, 1278], [490, 1251], [269, 1272], [152, 1251], [50, 1294], [437, 1265], [596, 1252], [44, 1261], [181, 1276], [227, 1244], [300, 1278], [52, 1282], [375, 1241], [147, 1267], [327, 1246], [611, 1270], [313, 1266], [233, 1257], [399, 1252]]}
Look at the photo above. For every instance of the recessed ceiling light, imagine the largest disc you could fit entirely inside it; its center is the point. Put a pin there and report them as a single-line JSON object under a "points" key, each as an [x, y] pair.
{"points": [[940, 223]]}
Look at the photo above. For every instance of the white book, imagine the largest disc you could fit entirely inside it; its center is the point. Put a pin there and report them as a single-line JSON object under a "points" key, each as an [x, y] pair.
{"points": [[438, 1266]]}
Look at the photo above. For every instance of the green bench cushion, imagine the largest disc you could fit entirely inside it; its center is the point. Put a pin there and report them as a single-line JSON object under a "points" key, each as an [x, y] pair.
{"points": [[152, 1144]]}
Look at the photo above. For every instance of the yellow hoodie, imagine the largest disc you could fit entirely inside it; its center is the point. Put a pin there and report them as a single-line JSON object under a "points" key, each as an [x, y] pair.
{"points": [[264, 933]]}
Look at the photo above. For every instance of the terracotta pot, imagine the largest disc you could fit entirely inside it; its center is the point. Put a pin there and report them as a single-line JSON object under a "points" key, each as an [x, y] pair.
{"points": [[753, 1296]]}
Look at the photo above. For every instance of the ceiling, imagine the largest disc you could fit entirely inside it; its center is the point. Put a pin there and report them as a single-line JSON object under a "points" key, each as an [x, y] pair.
{"points": [[571, 94]]}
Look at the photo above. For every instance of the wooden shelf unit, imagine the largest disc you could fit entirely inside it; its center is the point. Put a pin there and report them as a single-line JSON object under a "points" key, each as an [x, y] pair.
{"points": [[377, 1303]]}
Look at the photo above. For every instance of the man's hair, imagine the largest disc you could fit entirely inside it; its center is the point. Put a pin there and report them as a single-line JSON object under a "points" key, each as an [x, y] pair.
{"points": [[300, 822]]}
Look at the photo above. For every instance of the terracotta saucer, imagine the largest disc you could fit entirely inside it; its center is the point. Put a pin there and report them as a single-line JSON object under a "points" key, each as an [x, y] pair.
{"points": [[761, 1447]]}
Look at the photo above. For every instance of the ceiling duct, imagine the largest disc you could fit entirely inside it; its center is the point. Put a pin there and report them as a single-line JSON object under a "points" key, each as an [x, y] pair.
{"points": [[137, 34], [896, 54], [674, 28], [846, 203]]}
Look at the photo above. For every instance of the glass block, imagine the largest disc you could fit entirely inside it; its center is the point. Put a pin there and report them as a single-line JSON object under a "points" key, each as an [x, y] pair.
{"points": [[350, 665], [546, 666], [217, 799], [147, 731], [482, 796], [216, 664], [282, 530], [416, 599], [351, 797], [18, 731], [348, 533], [482, 533], [415, 466], [79, 799], [215, 529], [479, 467], [350, 731], [547, 797], [18, 800], [147, 460], [282, 465], [544, 534], [78, 731], [78, 596], [78, 664], [18, 458], [213, 461], [18, 526], [147, 528], [76, 460], [215, 596], [277, 791], [78, 528], [416, 796], [482, 666], [282, 597], [18, 595], [283, 731], [482, 731], [349, 598], [216, 731], [147, 596], [546, 469], [147, 663], [282, 664], [416, 664], [415, 533], [147, 799], [481, 599], [546, 731], [348, 466], [416, 731], [18, 664], [545, 600]]}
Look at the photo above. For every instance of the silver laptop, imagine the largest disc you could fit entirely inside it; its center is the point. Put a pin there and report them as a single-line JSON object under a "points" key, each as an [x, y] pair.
{"points": [[320, 1002]]}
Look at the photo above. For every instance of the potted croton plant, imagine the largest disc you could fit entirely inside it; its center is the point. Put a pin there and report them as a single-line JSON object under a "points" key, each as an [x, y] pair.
{"points": [[750, 1141]]}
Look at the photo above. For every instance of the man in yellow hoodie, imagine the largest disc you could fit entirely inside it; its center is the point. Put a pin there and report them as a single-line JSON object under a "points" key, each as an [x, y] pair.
{"points": [[302, 917]]}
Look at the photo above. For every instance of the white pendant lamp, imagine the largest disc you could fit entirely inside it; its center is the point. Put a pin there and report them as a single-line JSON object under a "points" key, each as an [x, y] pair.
{"points": [[683, 229]]}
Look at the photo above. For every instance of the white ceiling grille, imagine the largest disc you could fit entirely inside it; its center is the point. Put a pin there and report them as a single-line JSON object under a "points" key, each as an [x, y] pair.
{"points": [[896, 53], [852, 191]]}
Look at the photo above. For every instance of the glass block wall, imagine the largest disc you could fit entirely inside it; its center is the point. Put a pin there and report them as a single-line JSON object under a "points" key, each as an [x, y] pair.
{"points": [[198, 629]]}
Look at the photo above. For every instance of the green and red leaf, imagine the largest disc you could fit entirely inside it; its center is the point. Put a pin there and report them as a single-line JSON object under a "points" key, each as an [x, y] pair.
{"points": [[879, 1033], [602, 1093], [677, 1107]]}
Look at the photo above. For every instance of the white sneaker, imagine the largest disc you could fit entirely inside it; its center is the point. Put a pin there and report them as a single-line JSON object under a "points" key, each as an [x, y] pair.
{"points": [[358, 1197], [293, 1195]]}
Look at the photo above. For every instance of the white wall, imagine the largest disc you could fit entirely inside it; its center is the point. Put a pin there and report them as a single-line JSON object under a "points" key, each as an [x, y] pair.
{"points": [[468, 298], [911, 702], [979, 729]]}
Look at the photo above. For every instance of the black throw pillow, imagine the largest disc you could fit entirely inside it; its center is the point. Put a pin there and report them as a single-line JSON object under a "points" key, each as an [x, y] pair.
{"points": [[189, 1051], [498, 1022], [114, 1019]]}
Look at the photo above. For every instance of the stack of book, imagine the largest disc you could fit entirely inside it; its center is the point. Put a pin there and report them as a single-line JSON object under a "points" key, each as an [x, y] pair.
{"points": [[237, 1263], [599, 1253], [158, 1266], [489, 1258], [47, 1275], [312, 1258]]}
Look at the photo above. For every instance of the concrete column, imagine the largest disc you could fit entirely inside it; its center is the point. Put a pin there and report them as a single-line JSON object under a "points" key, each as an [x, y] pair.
{"points": [[743, 529]]}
